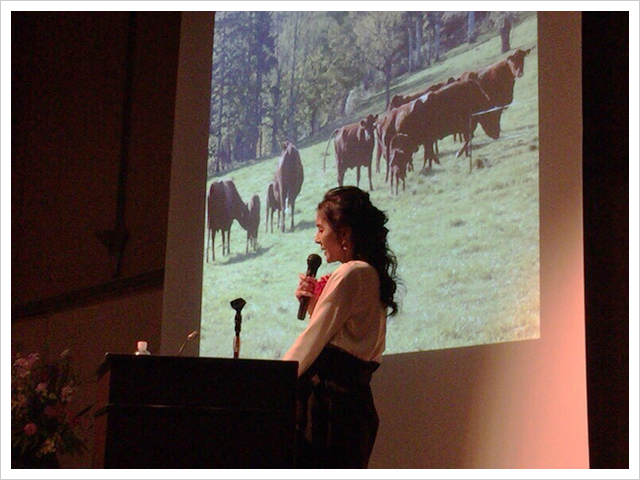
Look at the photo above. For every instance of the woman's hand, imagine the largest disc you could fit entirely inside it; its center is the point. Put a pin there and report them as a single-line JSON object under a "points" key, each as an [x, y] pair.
{"points": [[305, 289], [312, 288], [306, 286]]}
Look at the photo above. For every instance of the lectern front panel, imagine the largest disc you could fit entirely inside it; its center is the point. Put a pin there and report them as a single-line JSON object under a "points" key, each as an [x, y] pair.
{"points": [[188, 412]]}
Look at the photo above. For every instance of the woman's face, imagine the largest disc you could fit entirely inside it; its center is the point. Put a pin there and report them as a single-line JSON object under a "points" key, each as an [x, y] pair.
{"points": [[329, 241]]}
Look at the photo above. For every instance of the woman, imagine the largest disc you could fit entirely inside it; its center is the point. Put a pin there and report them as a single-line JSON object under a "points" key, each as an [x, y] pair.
{"points": [[342, 345]]}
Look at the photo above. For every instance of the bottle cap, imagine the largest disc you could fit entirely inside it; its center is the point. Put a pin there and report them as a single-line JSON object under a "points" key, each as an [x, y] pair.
{"points": [[142, 345]]}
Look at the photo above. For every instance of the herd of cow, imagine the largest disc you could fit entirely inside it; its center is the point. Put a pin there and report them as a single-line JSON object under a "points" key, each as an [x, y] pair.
{"points": [[454, 107]]}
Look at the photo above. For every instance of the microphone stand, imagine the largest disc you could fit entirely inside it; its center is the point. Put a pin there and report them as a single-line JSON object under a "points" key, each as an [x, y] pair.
{"points": [[236, 339], [237, 305]]}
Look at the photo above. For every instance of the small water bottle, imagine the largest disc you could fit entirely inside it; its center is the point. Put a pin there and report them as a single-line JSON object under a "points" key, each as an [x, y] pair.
{"points": [[142, 349]]}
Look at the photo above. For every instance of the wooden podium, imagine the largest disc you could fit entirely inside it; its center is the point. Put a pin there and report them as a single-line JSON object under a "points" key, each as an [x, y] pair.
{"points": [[191, 412]]}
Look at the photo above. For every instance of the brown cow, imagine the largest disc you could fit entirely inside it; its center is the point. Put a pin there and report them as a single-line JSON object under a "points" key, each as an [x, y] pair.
{"points": [[399, 160], [386, 130], [217, 217], [289, 178], [438, 114], [398, 100], [354, 146], [224, 205], [383, 124], [253, 223], [497, 80], [272, 202]]}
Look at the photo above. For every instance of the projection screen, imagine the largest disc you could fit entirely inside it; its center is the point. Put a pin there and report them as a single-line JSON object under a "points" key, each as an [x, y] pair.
{"points": [[465, 228]]}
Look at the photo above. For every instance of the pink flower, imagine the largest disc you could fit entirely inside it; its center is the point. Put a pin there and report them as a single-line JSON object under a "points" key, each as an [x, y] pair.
{"points": [[320, 285], [20, 362], [50, 411], [41, 388], [30, 429], [27, 362], [24, 365]]}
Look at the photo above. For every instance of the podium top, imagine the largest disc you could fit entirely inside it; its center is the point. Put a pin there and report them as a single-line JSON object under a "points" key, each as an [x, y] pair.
{"points": [[158, 380], [121, 359]]}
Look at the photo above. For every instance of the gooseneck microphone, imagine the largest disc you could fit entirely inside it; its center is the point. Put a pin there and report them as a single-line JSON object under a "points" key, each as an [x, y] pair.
{"points": [[313, 263], [191, 336]]}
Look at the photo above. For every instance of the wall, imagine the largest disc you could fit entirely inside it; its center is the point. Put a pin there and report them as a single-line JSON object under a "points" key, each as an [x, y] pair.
{"points": [[84, 84], [92, 138], [606, 216]]}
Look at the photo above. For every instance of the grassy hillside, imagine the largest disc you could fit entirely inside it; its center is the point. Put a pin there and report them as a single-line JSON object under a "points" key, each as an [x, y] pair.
{"points": [[467, 243]]}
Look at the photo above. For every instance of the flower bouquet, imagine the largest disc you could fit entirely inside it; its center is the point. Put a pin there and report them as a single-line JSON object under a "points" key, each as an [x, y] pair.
{"points": [[42, 422]]}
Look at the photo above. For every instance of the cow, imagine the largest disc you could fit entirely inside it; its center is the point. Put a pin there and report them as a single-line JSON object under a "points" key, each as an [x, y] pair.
{"points": [[398, 100], [383, 125], [399, 159], [386, 130], [253, 223], [497, 80], [224, 205], [353, 145], [289, 178], [272, 201], [438, 114]]}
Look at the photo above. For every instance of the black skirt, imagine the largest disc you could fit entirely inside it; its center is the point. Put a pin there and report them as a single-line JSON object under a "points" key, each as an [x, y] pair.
{"points": [[337, 420]]}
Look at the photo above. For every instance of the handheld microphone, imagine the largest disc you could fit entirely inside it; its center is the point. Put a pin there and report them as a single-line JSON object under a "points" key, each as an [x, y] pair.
{"points": [[313, 263]]}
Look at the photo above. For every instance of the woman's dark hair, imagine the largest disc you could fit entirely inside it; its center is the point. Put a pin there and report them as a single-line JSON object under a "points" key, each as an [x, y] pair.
{"points": [[351, 207]]}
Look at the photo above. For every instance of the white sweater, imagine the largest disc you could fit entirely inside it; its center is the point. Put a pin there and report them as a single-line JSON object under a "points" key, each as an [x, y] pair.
{"points": [[348, 315]]}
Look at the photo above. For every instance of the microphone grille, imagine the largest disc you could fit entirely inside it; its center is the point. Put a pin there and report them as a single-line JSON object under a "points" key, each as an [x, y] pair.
{"points": [[193, 335], [313, 262], [314, 259]]}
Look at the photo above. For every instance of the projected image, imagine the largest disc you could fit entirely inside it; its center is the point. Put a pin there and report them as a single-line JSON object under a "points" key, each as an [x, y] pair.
{"points": [[434, 113]]}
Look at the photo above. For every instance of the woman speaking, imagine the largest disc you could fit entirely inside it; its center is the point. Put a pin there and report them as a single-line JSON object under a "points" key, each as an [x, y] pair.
{"points": [[343, 343]]}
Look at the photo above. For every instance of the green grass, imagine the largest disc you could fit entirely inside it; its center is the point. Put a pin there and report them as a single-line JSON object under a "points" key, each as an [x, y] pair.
{"points": [[467, 243]]}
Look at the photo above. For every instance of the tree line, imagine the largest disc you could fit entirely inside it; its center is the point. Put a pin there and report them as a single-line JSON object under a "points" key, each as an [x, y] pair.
{"points": [[285, 75]]}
